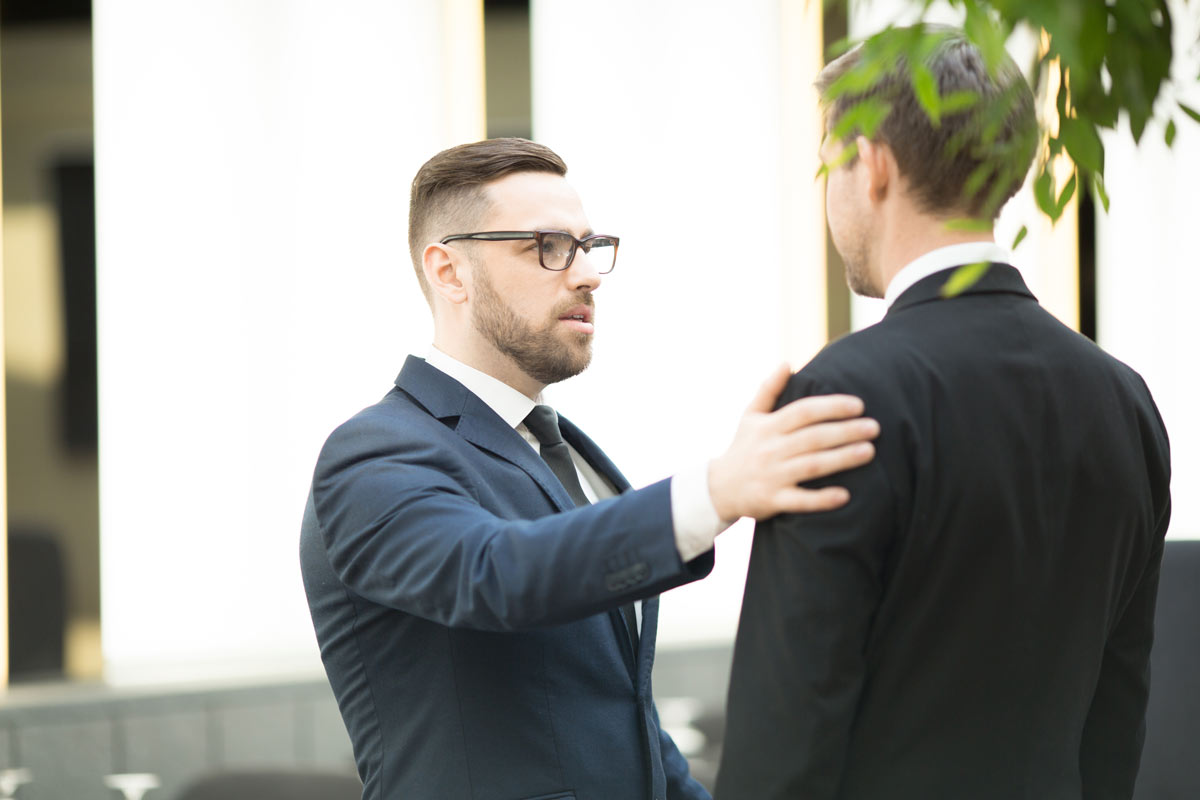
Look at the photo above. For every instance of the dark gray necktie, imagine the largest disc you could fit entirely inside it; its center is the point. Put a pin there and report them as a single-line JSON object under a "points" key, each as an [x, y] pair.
{"points": [[543, 424]]}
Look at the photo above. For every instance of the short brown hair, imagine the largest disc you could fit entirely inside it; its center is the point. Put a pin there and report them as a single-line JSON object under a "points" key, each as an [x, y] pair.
{"points": [[973, 160], [448, 188]]}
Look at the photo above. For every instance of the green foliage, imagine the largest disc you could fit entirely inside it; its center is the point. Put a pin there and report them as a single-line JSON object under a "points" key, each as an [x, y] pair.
{"points": [[1083, 143], [963, 277], [1098, 184], [1114, 57], [1109, 59], [1020, 237], [926, 90]]}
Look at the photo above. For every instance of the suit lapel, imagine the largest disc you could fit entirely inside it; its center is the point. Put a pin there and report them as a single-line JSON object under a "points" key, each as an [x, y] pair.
{"points": [[593, 455], [648, 640], [448, 400], [475, 421], [635, 656], [480, 426]]}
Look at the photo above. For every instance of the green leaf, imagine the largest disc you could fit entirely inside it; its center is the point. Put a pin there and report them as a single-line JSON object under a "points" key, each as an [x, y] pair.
{"points": [[1083, 143], [985, 34], [860, 78], [978, 178], [1169, 136], [1098, 182], [964, 278], [1043, 192], [863, 117], [969, 224], [960, 100], [925, 88], [874, 112], [1020, 237], [848, 154], [1067, 193], [1191, 112]]}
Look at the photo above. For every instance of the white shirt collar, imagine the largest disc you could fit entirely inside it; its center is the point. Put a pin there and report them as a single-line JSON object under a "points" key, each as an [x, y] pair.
{"points": [[509, 404], [954, 255]]}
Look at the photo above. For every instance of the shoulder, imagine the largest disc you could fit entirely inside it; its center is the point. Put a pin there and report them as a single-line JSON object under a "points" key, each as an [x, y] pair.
{"points": [[395, 424], [865, 362]]}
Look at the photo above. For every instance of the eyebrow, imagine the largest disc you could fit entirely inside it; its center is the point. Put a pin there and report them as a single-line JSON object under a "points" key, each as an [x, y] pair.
{"points": [[586, 231]]}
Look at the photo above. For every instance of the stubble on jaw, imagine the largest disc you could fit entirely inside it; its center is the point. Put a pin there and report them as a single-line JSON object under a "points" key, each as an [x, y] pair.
{"points": [[543, 354], [858, 276], [859, 279]]}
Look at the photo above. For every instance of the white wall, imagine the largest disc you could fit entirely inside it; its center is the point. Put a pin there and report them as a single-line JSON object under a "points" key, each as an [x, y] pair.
{"points": [[254, 287], [1147, 266], [670, 117]]}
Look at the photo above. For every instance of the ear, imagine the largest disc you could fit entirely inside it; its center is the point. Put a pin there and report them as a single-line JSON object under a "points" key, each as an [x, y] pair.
{"points": [[443, 265], [879, 163]]}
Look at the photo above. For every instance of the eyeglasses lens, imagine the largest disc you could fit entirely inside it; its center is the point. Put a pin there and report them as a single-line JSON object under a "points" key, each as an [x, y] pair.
{"points": [[600, 252], [556, 249]]}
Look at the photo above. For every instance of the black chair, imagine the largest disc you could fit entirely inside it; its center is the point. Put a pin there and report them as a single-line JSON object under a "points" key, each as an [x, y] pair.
{"points": [[274, 785], [1171, 759]]}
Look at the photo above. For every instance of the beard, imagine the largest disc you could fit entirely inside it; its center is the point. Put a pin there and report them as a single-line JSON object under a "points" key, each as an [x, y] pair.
{"points": [[544, 353], [858, 274]]}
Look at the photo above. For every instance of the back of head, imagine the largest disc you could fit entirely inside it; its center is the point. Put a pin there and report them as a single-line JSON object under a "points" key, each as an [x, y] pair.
{"points": [[972, 159], [449, 191]]}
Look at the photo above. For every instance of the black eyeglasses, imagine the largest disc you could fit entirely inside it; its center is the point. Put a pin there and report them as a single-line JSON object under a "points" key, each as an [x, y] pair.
{"points": [[556, 249]]}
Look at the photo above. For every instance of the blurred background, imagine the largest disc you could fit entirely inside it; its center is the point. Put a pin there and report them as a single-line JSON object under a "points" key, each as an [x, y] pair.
{"points": [[205, 270]]}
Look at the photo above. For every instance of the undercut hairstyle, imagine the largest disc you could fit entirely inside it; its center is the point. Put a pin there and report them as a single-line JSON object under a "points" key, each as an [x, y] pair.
{"points": [[973, 160], [449, 191]]}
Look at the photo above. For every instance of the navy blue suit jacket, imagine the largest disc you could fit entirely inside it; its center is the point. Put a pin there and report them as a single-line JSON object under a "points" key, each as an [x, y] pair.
{"points": [[466, 611]]}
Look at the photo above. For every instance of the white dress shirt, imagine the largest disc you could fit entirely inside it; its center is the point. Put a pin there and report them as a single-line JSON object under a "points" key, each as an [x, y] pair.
{"points": [[955, 255], [694, 519]]}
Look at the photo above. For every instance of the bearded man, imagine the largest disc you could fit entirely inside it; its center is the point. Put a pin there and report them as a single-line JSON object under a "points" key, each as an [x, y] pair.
{"points": [[482, 580]]}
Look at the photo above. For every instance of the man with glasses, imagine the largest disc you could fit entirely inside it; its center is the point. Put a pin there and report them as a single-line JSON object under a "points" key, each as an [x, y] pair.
{"points": [[482, 579]]}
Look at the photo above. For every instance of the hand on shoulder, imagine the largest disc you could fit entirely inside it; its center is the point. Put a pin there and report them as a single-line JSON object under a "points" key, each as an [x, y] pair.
{"points": [[774, 451]]}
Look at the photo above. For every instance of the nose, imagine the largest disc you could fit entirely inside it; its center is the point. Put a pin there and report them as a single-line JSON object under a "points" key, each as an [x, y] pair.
{"points": [[582, 274]]}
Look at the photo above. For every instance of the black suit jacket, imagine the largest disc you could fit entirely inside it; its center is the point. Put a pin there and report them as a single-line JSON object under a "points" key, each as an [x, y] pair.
{"points": [[976, 623], [467, 611]]}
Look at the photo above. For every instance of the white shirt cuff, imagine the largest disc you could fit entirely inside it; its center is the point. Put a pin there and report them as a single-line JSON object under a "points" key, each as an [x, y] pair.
{"points": [[696, 521]]}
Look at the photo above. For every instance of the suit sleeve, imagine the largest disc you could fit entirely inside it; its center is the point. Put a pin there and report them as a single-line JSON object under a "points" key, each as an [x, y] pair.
{"points": [[812, 589], [1111, 747], [401, 528], [1115, 728]]}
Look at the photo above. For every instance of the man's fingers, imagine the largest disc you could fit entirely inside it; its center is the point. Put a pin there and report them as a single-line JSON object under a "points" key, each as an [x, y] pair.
{"points": [[802, 501], [820, 408], [826, 435], [768, 393], [811, 466]]}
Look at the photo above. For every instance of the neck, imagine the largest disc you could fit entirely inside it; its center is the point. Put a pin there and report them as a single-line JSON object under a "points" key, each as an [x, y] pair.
{"points": [[474, 351], [915, 235]]}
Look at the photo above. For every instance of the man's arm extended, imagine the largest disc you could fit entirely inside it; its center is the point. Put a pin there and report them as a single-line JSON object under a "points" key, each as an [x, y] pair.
{"points": [[402, 528]]}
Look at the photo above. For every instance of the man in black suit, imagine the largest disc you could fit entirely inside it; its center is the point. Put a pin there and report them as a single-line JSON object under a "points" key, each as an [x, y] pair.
{"points": [[975, 624], [482, 579]]}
